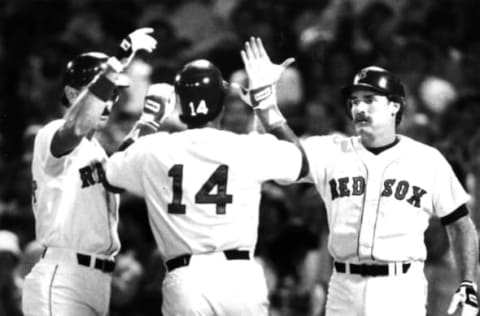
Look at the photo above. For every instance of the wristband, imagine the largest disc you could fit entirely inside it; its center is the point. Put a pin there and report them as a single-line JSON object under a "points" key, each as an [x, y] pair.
{"points": [[150, 123], [125, 49], [260, 94], [102, 88], [469, 283], [115, 64], [271, 117]]}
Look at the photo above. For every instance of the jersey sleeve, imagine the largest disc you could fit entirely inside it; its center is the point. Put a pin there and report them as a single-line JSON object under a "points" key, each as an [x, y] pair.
{"points": [[317, 149], [124, 169], [42, 152], [448, 194], [276, 159]]}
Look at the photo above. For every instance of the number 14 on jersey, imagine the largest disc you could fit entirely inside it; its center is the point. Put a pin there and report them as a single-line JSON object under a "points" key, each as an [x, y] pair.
{"points": [[218, 179]]}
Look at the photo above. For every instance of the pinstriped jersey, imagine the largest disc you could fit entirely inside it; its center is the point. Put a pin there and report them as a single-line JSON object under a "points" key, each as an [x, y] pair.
{"points": [[71, 206], [379, 206], [202, 187]]}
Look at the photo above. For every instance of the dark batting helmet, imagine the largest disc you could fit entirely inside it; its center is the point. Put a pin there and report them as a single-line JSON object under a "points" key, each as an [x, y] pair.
{"points": [[201, 90], [83, 68], [380, 81]]}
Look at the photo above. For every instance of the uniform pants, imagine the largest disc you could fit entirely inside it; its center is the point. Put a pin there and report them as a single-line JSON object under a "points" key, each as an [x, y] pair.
{"points": [[58, 286], [396, 295], [212, 285]]}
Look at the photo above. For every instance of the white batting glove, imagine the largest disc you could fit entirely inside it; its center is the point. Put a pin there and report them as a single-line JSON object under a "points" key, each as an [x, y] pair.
{"points": [[140, 39], [159, 104], [466, 298], [263, 75]]}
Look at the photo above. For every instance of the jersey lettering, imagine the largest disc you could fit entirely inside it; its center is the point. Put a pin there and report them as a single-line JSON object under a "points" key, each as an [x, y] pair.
{"points": [[218, 179], [401, 190], [91, 175], [387, 187], [176, 207]]}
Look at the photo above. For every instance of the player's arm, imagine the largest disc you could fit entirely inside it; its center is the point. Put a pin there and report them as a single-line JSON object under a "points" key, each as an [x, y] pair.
{"points": [[159, 103], [464, 242], [263, 76], [87, 107]]}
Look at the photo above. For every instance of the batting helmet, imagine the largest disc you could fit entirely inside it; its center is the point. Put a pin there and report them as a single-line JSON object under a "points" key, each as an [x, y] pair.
{"points": [[380, 81], [201, 90], [83, 68]]}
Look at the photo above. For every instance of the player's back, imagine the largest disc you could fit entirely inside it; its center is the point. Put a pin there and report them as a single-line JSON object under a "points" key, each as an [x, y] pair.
{"points": [[203, 186]]}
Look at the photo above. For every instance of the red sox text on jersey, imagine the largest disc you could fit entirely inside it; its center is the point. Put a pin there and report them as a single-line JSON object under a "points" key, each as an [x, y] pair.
{"points": [[399, 189], [92, 174]]}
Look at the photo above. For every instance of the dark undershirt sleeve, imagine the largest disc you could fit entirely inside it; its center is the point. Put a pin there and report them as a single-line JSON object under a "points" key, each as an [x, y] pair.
{"points": [[461, 211]]}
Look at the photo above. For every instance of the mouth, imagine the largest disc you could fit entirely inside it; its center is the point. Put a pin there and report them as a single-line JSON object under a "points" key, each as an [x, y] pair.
{"points": [[361, 120]]}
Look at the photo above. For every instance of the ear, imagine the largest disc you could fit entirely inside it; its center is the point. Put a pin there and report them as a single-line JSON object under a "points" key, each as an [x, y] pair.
{"points": [[396, 107], [70, 93]]}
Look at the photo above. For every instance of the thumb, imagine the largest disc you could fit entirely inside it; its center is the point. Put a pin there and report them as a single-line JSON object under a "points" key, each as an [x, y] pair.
{"points": [[453, 305], [241, 91], [287, 62]]}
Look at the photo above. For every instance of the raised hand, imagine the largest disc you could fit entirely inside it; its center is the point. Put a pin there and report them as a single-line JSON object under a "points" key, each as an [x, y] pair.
{"points": [[138, 40], [159, 104], [263, 75]]}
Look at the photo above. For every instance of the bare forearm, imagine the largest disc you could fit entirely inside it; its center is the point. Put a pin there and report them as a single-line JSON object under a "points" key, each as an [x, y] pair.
{"points": [[464, 241]]}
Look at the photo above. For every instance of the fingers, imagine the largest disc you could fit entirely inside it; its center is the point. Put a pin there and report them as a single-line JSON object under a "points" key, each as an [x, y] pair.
{"points": [[146, 30], [241, 91], [453, 305], [255, 44], [260, 48]]}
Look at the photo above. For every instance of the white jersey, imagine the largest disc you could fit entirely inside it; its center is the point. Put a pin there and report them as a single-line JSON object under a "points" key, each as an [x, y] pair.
{"points": [[379, 206], [71, 206], [202, 187]]}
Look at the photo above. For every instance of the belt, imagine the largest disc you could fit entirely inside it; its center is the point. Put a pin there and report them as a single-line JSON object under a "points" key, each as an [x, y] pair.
{"points": [[103, 265], [184, 260], [372, 269]]}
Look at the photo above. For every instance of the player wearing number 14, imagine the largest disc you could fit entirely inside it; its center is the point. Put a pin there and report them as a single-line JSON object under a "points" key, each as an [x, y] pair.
{"points": [[202, 187]]}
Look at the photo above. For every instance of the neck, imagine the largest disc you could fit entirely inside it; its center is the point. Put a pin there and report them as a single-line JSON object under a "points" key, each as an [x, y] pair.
{"points": [[378, 139]]}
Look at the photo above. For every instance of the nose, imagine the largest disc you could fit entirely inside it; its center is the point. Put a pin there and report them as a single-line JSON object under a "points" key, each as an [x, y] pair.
{"points": [[359, 106]]}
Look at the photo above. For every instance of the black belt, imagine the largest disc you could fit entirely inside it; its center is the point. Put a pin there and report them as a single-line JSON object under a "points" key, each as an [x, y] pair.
{"points": [[369, 269], [184, 260], [103, 265]]}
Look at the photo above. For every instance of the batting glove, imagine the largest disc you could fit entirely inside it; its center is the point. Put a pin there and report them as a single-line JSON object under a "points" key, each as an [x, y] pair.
{"points": [[466, 297], [159, 104], [263, 75], [140, 39]]}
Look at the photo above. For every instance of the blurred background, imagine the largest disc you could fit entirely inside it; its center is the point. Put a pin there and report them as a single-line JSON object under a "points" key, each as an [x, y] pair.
{"points": [[433, 46]]}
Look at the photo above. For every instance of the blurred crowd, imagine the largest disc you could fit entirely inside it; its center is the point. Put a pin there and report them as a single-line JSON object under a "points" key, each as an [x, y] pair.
{"points": [[432, 45]]}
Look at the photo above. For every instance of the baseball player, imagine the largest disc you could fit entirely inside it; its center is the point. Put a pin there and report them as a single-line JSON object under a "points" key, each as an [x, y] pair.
{"points": [[76, 218], [202, 188], [380, 189]]}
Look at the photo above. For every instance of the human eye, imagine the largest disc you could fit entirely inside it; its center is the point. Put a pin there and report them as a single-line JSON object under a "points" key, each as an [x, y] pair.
{"points": [[368, 99], [353, 102]]}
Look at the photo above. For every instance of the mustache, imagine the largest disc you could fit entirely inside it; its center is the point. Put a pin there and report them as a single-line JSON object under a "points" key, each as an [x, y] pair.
{"points": [[361, 118]]}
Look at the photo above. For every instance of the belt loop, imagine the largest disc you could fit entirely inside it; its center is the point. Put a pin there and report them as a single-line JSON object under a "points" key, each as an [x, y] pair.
{"points": [[347, 267], [44, 252], [92, 261], [392, 268]]}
